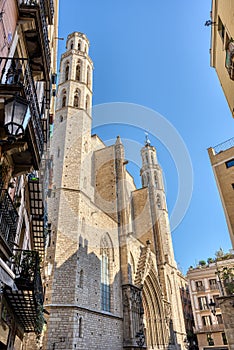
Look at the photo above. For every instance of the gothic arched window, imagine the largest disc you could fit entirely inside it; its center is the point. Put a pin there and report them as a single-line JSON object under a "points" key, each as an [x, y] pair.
{"points": [[81, 281], [152, 158], [72, 45], [64, 98], [148, 179], [105, 281], [78, 71], [159, 204], [155, 180], [87, 102], [146, 158], [88, 77], [107, 258], [79, 46], [76, 102], [67, 71], [80, 327]]}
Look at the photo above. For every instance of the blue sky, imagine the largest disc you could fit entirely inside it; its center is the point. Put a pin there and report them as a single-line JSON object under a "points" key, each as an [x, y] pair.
{"points": [[156, 54]]}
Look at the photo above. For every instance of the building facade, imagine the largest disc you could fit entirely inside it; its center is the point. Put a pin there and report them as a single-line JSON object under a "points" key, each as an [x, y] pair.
{"points": [[111, 276], [222, 162], [222, 46], [191, 339], [27, 75], [205, 289]]}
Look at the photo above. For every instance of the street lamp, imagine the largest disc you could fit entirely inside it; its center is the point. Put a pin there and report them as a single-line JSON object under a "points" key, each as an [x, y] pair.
{"points": [[212, 305], [15, 117], [140, 339]]}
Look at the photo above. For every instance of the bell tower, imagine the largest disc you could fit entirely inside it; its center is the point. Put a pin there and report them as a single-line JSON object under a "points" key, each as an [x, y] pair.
{"points": [[152, 177], [75, 86], [151, 174], [73, 120], [71, 158]]}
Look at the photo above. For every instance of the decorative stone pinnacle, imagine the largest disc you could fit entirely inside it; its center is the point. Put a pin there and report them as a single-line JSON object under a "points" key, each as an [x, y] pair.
{"points": [[147, 140]]}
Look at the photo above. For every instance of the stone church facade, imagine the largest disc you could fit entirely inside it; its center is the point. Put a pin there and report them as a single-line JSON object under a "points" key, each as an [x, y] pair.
{"points": [[111, 277]]}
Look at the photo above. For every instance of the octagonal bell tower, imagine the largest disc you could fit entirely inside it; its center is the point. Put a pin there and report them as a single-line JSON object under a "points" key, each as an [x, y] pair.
{"points": [[71, 158]]}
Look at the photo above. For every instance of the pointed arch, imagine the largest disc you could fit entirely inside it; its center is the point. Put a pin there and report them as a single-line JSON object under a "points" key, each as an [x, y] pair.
{"points": [[159, 203], [67, 68], [155, 179], [78, 70], [87, 102], [80, 327], [72, 45], [144, 180], [154, 315], [76, 101], [81, 279], [79, 45], [88, 78], [148, 179], [64, 98], [107, 258], [106, 243]]}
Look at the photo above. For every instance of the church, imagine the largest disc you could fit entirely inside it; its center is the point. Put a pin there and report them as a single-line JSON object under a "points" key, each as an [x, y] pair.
{"points": [[111, 280]]}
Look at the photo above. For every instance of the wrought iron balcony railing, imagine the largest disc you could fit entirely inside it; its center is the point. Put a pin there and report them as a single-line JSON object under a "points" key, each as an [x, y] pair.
{"points": [[200, 288], [209, 328], [224, 146], [16, 76], [37, 214], [8, 219], [26, 6], [27, 301], [52, 7], [214, 286]]}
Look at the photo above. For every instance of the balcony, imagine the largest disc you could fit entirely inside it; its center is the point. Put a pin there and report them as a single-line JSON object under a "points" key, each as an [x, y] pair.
{"points": [[224, 146], [16, 78], [200, 288], [37, 214], [204, 307], [32, 14], [27, 301], [8, 222], [49, 6], [214, 287], [209, 328], [229, 62]]}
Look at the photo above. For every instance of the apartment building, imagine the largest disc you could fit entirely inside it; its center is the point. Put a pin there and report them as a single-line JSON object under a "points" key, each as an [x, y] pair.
{"points": [[28, 31], [222, 46], [206, 287]]}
